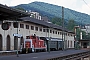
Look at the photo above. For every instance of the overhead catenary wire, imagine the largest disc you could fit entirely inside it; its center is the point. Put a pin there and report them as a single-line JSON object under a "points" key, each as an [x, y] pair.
{"points": [[86, 3]]}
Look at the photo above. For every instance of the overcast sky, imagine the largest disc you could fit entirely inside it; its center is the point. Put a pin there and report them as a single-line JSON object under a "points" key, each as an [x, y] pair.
{"points": [[78, 5]]}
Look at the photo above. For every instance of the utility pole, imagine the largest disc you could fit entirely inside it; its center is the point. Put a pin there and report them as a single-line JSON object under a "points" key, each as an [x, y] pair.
{"points": [[48, 40], [63, 36]]}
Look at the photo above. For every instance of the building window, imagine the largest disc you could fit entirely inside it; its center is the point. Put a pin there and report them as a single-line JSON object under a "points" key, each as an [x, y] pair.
{"points": [[71, 43], [50, 31], [53, 32], [56, 32], [27, 26], [15, 24], [21, 25], [32, 27], [43, 30], [68, 34], [9, 23], [68, 43], [65, 34], [60, 33], [40, 29], [47, 30], [36, 28]]}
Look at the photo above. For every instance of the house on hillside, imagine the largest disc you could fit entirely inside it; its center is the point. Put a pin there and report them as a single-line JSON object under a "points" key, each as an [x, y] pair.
{"points": [[84, 43]]}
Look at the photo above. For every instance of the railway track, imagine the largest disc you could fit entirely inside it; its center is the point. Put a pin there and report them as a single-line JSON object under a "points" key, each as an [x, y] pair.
{"points": [[74, 56]]}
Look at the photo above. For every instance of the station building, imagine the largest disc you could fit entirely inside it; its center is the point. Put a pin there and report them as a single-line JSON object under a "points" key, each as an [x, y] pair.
{"points": [[25, 26]]}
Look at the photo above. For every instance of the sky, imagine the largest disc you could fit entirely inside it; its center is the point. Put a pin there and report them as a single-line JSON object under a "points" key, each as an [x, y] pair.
{"points": [[77, 5]]}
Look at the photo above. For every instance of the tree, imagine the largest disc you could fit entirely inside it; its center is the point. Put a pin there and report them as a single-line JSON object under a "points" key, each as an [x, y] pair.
{"points": [[84, 35], [87, 36], [78, 30], [20, 8], [57, 21], [71, 24]]}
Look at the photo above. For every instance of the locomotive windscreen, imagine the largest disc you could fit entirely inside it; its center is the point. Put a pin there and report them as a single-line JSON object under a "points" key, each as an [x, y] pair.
{"points": [[27, 37], [33, 37], [30, 37]]}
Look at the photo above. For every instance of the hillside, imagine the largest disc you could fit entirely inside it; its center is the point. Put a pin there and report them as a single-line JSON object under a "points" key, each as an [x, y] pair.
{"points": [[51, 11]]}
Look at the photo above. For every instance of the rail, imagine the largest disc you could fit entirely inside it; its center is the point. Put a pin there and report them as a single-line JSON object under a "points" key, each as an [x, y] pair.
{"points": [[72, 56]]}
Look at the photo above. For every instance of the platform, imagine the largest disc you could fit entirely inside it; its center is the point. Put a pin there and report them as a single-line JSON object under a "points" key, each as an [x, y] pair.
{"points": [[42, 55]]}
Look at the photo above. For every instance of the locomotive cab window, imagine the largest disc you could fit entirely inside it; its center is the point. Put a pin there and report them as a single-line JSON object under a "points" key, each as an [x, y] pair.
{"points": [[27, 37]]}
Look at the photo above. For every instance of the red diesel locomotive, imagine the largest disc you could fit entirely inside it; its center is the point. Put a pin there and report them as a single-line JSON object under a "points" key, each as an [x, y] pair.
{"points": [[33, 44]]}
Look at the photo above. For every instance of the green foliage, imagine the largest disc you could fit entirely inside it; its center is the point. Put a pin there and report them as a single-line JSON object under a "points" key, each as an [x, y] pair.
{"points": [[71, 24], [84, 35], [54, 10], [87, 36], [20, 8], [78, 34], [57, 21]]}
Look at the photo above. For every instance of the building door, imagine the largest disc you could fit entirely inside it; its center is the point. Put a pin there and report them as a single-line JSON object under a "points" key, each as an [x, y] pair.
{"points": [[15, 42], [8, 43], [1, 42]]}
